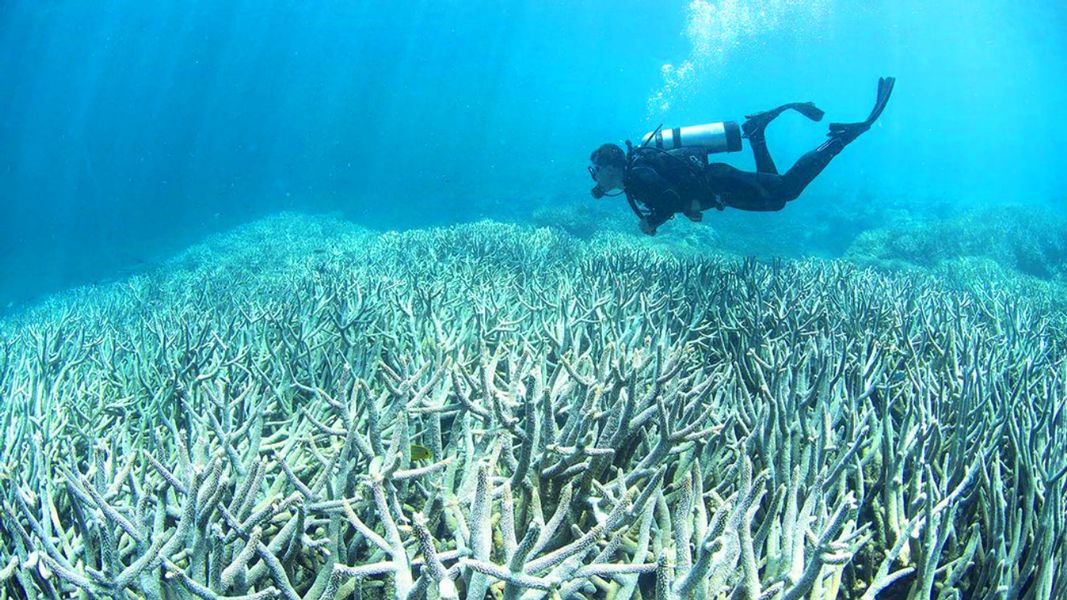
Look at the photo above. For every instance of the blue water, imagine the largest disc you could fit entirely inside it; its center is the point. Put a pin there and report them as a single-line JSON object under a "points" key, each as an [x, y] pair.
{"points": [[131, 128]]}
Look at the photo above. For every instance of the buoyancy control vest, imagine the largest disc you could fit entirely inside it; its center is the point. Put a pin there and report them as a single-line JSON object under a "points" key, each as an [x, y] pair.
{"points": [[691, 141]]}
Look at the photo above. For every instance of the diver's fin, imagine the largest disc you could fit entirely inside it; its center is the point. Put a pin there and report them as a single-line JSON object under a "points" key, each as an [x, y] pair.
{"points": [[885, 88], [809, 110], [846, 132], [757, 122]]}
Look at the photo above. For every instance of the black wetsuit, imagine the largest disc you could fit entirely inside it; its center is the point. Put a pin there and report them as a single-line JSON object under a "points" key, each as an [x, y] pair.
{"points": [[660, 184]]}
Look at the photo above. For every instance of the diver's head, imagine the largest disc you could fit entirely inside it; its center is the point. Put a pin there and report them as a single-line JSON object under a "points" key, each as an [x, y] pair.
{"points": [[608, 169]]}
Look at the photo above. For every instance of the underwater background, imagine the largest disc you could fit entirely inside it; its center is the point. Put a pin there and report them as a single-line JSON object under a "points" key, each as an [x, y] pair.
{"points": [[129, 130], [310, 300]]}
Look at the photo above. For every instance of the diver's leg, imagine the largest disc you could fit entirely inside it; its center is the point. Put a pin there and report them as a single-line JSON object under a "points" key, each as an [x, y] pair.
{"points": [[806, 169], [811, 164], [764, 162], [727, 186], [758, 191], [755, 125], [755, 203]]}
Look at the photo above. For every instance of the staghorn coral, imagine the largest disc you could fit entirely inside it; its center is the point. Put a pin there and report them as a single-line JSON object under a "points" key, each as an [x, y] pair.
{"points": [[1025, 239], [603, 422]]}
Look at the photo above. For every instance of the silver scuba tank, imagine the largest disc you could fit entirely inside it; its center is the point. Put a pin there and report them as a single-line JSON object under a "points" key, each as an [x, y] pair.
{"points": [[713, 137]]}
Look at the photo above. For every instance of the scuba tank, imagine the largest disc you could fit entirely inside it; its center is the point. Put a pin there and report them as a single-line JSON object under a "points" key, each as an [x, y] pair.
{"points": [[713, 137]]}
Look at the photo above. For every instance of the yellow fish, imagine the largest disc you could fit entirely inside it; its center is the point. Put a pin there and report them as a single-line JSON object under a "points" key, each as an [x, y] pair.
{"points": [[420, 452]]}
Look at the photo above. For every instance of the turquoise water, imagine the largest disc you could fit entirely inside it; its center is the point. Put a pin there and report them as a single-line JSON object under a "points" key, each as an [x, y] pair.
{"points": [[130, 129], [310, 300]]}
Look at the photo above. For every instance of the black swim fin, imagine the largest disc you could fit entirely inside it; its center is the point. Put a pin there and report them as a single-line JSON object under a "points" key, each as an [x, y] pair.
{"points": [[809, 110], [846, 132], [757, 122]]}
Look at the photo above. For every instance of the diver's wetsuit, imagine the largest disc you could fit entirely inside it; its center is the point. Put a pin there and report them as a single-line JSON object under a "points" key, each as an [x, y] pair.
{"points": [[659, 183]]}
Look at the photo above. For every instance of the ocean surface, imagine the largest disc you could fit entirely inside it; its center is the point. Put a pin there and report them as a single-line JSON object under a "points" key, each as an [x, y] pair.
{"points": [[130, 130]]}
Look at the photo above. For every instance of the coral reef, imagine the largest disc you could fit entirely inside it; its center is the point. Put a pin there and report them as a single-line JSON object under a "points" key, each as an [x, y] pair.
{"points": [[493, 411], [1025, 239], [608, 223], [585, 219]]}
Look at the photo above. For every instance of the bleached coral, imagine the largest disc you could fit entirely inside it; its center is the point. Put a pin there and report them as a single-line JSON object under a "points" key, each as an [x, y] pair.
{"points": [[492, 410]]}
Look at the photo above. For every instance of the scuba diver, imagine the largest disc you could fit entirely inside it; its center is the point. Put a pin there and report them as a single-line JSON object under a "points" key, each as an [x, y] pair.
{"points": [[669, 173]]}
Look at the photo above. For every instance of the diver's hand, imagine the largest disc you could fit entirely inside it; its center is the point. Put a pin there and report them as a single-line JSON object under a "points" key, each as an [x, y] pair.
{"points": [[646, 227]]}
